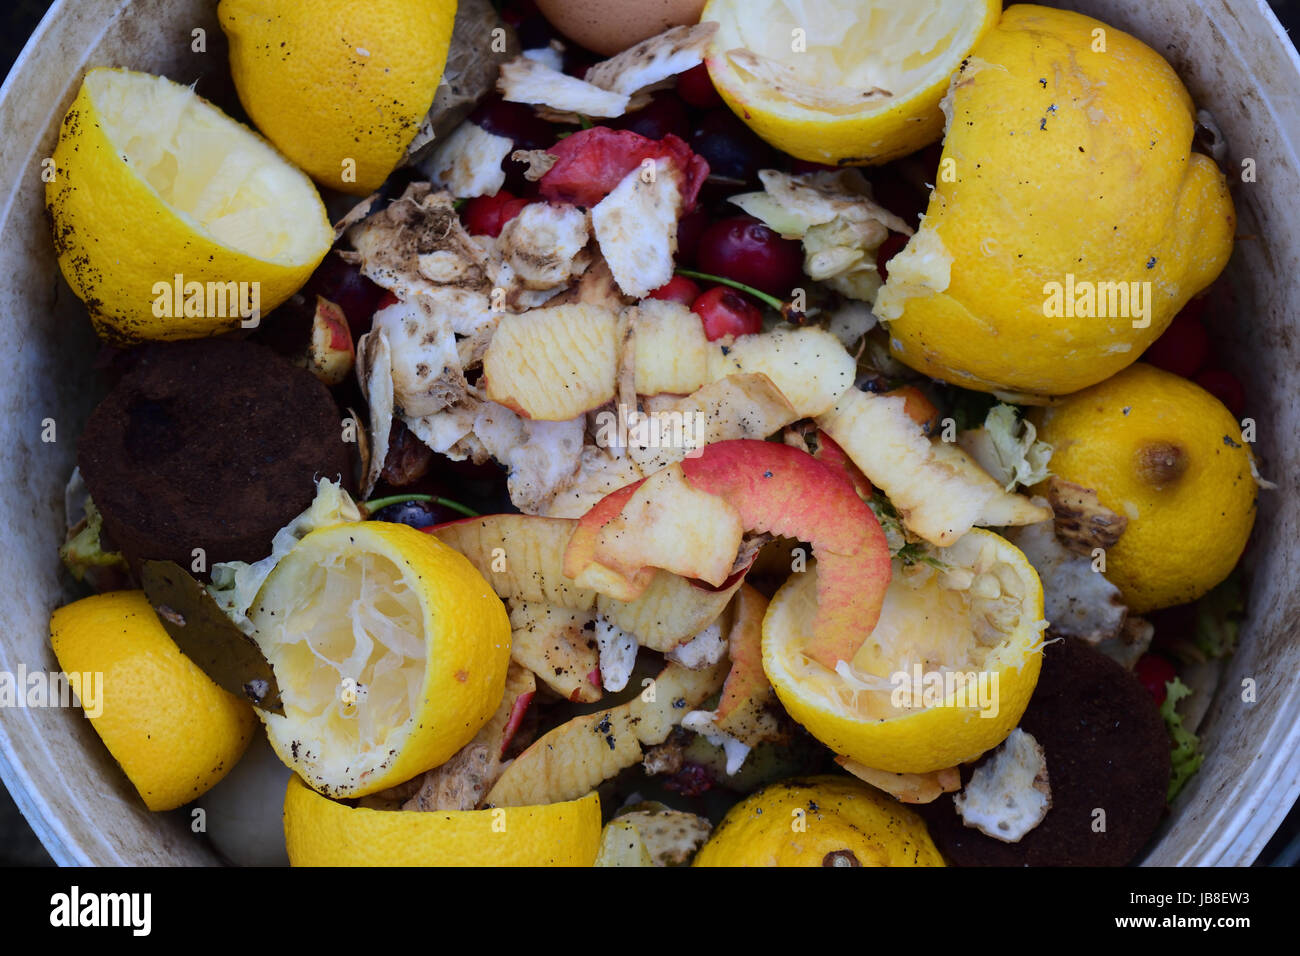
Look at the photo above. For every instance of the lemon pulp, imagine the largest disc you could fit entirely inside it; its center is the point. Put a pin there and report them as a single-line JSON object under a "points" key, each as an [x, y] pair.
{"points": [[213, 173]]}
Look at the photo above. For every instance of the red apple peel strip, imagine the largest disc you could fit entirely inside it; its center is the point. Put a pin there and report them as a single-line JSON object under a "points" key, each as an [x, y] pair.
{"points": [[775, 487]]}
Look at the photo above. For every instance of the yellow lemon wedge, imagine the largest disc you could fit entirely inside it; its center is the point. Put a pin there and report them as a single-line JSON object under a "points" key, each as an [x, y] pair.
{"points": [[943, 677], [390, 651], [847, 82], [174, 732], [171, 220], [323, 832]]}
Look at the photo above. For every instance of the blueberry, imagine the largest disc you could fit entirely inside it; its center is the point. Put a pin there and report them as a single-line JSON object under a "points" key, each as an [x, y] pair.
{"points": [[732, 149], [417, 514]]}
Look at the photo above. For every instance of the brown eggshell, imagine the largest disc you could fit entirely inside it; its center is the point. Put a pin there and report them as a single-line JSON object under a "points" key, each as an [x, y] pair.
{"points": [[610, 26]]}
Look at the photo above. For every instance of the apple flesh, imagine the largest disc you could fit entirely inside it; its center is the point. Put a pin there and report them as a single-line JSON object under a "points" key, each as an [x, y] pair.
{"points": [[555, 644], [744, 710], [917, 407], [330, 354], [670, 523], [580, 562], [574, 758], [940, 491], [746, 681], [520, 556], [671, 610], [831, 453]]}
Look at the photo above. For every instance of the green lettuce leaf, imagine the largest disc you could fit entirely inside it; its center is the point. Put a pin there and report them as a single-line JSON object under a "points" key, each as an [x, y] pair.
{"points": [[1021, 458], [1186, 758], [1218, 617]]}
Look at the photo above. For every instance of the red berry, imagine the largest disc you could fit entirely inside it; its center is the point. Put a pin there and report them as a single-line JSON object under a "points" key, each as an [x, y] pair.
{"points": [[487, 215], [385, 300], [693, 780], [695, 86], [1224, 386], [726, 311], [1183, 349], [678, 289], [891, 247], [1154, 671], [743, 249]]}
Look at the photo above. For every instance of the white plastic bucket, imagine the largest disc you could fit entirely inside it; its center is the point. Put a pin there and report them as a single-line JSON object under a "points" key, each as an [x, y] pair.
{"points": [[1232, 54]]}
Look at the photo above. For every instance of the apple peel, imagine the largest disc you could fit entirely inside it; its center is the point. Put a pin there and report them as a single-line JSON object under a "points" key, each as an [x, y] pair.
{"points": [[668, 522], [786, 492], [743, 716], [580, 562]]}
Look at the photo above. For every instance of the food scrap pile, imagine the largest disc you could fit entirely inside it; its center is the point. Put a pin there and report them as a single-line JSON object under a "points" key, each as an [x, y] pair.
{"points": [[688, 444]]}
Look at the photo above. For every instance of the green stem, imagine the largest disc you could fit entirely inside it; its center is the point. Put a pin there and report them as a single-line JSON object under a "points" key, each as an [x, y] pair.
{"points": [[771, 300], [373, 506]]}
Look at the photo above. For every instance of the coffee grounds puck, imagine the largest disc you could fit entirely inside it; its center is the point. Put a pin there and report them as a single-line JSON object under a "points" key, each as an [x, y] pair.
{"points": [[212, 444], [1108, 766]]}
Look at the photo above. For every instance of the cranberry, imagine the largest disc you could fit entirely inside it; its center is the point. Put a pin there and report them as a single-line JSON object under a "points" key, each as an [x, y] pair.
{"points": [[678, 289], [693, 780], [385, 300], [725, 311], [689, 230], [891, 247], [487, 215], [665, 114], [744, 249], [695, 86], [732, 149], [1154, 672], [1224, 386], [1184, 347]]}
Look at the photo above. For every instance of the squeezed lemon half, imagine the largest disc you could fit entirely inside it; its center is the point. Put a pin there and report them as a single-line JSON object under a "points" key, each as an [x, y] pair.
{"points": [[390, 651]]}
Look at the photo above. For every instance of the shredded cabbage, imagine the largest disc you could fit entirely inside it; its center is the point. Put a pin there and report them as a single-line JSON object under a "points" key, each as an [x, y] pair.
{"points": [[1008, 449]]}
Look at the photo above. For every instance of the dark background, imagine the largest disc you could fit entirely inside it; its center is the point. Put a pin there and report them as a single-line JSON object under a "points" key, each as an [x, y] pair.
{"points": [[19, 846]]}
